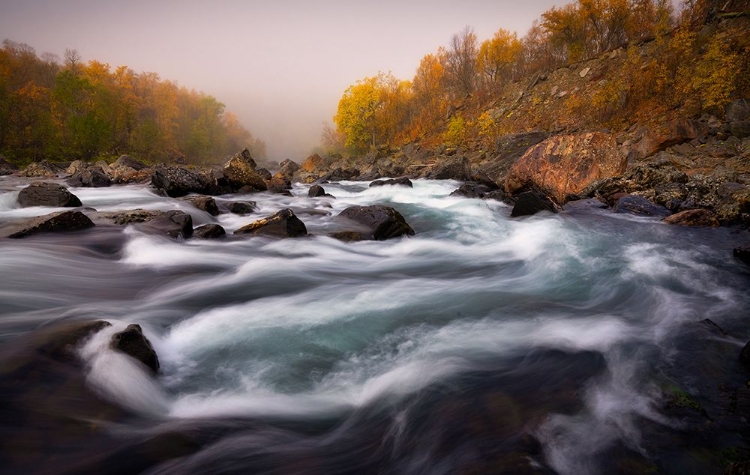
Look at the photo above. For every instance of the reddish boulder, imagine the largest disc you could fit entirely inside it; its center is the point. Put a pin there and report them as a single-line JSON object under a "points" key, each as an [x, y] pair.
{"points": [[566, 164], [693, 217]]}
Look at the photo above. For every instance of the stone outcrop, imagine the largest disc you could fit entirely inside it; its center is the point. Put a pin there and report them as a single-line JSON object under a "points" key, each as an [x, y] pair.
{"points": [[452, 168], [134, 343], [376, 222], [47, 194], [693, 217], [565, 165], [56, 222], [281, 224], [650, 140]]}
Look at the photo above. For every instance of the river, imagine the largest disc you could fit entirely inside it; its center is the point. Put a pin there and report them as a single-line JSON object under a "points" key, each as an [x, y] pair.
{"points": [[483, 344]]}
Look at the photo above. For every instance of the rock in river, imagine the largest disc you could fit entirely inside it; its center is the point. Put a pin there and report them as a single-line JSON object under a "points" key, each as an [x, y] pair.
{"points": [[377, 222], [55, 222], [47, 194], [134, 343], [282, 224]]}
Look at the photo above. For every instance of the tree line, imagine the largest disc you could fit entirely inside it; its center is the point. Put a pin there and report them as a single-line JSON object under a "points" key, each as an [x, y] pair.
{"points": [[84, 110], [385, 111]]}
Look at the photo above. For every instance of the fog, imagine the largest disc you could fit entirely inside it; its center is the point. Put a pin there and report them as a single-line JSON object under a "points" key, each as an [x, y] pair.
{"points": [[280, 66]]}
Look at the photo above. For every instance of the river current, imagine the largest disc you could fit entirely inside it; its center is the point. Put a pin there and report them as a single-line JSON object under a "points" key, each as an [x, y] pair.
{"points": [[483, 344]]}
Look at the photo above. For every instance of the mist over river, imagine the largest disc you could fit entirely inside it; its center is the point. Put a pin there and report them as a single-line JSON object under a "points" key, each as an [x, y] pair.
{"points": [[572, 343]]}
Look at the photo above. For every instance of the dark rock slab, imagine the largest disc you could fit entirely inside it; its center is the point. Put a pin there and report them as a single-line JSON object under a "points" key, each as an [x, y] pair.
{"points": [[134, 343], [532, 202], [402, 181], [209, 231], [176, 181], [130, 162], [317, 191], [639, 206], [457, 168], [131, 217], [55, 222], [47, 194], [93, 177], [282, 224], [377, 222]]}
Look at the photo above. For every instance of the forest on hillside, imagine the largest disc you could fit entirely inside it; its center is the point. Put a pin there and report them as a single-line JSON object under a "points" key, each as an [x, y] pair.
{"points": [[71, 109], [672, 63]]}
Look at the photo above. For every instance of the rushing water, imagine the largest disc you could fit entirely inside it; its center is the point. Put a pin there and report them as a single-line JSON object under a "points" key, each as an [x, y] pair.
{"points": [[482, 344]]}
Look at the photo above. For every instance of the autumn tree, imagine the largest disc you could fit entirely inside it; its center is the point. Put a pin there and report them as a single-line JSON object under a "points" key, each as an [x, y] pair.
{"points": [[498, 57], [355, 116], [461, 63]]}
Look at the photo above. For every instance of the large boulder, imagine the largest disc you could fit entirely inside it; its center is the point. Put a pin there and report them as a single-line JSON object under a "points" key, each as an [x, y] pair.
{"points": [[565, 165], [240, 173], [402, 181], [532, 202], [176, 181], [47, 194], [453, 168], [134, 343], [376, 222], [281, 224], [175, 224], [56, 222], [126, 169], [130, 162], [314, 164], [316, 191], [92, 177], [479, 190]]}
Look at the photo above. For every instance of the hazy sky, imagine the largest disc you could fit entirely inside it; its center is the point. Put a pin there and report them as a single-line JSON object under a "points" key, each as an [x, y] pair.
{"points": [[280, 65]]}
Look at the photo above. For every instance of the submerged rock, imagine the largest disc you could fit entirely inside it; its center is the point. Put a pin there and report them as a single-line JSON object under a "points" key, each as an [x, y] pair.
{"points": [[377, 222], [205, 203], [317, 191], [55, 222], [403, 181], [743, 253], [47, 194], [242, 207], [134, 343], [532, 202], [92, 177], [282, 224]]}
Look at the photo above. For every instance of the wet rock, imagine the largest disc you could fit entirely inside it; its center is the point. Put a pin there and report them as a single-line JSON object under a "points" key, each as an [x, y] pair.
{"points": [[209, 231], [282, 224], [340, 174], [264, 173], [377, 222], [316, 191], [402, 181], [242, 207], [93, 177], [130, 162], [174, 224], [55, 222], [134, 343], [47, 194], [743, 253], [693, 217], [565, 165], [131, 217], [43, 169], [240, 173], [479, 190], [314, 164], [457, 168], [205, 203], [176, 182], [532, 202], [639, 206], [287, 168]]}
